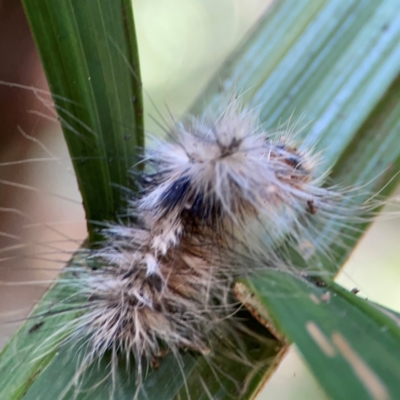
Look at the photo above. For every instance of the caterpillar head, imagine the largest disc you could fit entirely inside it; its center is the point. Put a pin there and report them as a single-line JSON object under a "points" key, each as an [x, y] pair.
{"points": [[230, 178]]}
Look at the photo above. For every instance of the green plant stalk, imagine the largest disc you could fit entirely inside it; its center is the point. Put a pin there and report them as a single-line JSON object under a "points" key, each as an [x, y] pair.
{"points": [[337, 333], [90, 56]]}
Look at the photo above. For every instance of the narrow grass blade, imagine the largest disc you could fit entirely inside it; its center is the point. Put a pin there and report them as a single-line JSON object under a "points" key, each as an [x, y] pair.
{"points": [[351, 346], [89, 53]]}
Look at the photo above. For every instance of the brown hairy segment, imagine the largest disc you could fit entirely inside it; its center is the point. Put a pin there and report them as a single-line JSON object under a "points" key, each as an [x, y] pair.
{"points": [[145, 304]]}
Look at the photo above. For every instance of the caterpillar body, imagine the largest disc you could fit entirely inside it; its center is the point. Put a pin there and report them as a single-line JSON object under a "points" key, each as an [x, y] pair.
{"points": [[216, 194]]}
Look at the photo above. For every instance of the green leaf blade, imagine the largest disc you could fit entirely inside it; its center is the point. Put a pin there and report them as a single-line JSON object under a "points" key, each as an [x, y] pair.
{"points": [[91, 62], [337, 333]]}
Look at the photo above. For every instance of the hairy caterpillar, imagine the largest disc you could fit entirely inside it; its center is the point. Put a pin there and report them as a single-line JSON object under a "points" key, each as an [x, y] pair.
{"points": [[216, 194], [240, 242], [220, 198]]}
